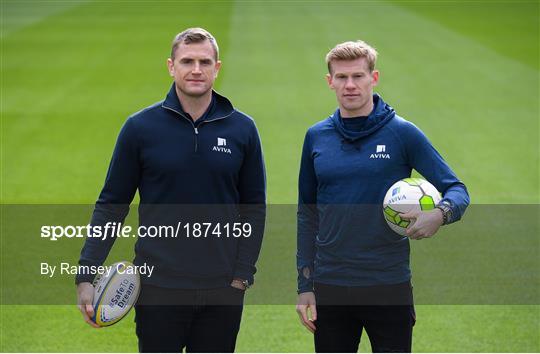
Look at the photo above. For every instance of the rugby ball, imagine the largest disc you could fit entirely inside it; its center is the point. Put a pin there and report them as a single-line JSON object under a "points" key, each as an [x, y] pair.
{"points": [[115, 293]]}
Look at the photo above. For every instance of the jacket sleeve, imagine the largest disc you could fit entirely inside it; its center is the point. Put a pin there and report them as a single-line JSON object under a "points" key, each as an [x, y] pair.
{"points": [[307, 218], [425, 159], [252, 208], [113, 202]]}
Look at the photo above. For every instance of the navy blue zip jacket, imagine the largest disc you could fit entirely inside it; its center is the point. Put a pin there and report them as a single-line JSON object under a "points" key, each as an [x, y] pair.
{"points": [[345, 173], [211, 170]]}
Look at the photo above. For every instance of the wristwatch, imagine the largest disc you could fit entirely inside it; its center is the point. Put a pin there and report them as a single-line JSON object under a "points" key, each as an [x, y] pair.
{"points": [[446, 209], [246, 283]]}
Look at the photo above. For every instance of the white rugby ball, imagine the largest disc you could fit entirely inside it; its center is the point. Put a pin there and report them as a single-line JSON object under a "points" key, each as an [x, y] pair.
{"points": [[115, 293]]}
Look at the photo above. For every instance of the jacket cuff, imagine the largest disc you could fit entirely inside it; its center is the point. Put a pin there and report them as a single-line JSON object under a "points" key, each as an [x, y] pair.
{"points": [[305, 280], [83, 278], [305, 288], [244, 272]]}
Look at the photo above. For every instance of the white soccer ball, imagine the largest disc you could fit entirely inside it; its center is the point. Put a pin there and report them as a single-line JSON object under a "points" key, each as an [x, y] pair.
{"points": [[115, 293], [408, 194]]}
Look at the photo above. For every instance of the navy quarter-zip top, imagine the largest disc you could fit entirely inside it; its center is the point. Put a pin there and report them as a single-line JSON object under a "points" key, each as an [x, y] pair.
{"points": [[216, 162]]}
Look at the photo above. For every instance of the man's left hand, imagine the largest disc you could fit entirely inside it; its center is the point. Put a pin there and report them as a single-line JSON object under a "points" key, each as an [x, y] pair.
{"points": [[238, 284], [423, 223]]}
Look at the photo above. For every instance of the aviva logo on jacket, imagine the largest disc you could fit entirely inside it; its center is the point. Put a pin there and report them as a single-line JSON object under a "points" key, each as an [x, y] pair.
{"points": [[380, 153], [221, 146]]}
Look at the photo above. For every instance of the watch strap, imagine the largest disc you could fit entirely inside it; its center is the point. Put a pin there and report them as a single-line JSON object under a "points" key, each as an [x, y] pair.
{"points": [[446, 209]]}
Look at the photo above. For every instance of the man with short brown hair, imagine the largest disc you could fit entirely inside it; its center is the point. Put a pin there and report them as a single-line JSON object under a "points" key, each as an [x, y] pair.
{"points": [[197, 163], [194, 35], [353, 270]]}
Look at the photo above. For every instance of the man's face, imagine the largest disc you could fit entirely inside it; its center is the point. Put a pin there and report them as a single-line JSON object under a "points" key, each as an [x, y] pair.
{"points": [[353, 83], [194, 68]]}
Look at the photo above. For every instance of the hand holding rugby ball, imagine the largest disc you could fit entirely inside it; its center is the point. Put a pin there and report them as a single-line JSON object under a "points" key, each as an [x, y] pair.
{"points": [[114, 294]]}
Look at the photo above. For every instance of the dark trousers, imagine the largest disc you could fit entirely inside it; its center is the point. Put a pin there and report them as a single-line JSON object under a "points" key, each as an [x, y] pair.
{"points": [[171, 320], [386, 313]]}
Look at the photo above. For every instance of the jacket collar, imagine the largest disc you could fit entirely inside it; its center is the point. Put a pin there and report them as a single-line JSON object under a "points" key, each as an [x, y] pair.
{"points": [[223, 107], [382, 113]]}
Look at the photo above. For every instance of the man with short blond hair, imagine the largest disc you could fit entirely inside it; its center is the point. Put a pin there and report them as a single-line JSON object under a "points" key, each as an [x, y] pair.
{"points": [[195, 160], [351, 51], [353, 270]]}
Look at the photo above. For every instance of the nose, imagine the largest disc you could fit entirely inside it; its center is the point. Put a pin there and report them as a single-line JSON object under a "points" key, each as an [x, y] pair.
{"points": [[350, 83], [197, 68]]}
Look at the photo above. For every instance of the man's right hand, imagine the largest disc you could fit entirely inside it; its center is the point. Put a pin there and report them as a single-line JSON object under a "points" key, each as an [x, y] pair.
{"points": [[306, 308], [85, 297]]}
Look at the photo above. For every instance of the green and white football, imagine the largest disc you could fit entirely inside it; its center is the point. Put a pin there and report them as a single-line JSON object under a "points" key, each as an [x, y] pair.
{"points": [[407, 195]]}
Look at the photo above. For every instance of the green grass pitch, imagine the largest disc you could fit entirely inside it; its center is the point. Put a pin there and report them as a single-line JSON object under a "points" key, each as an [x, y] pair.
{"points": [[467, 73]]}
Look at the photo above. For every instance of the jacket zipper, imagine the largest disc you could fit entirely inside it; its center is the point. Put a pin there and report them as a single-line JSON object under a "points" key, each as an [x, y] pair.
{"points": [[195, 129], [196, 138]]}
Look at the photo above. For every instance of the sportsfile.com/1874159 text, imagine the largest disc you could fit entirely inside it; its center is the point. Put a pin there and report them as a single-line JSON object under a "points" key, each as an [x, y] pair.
{"points": [[114, 229]]}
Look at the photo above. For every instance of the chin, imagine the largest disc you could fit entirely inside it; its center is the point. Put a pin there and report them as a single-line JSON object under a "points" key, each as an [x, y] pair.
{"points": [[196, 92], [352, 107]]}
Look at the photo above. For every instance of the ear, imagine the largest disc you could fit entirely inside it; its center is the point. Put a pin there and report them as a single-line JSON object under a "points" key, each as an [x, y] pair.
{"points": [[170, 66], [375, 77], [330, 81], [217, 67]]}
